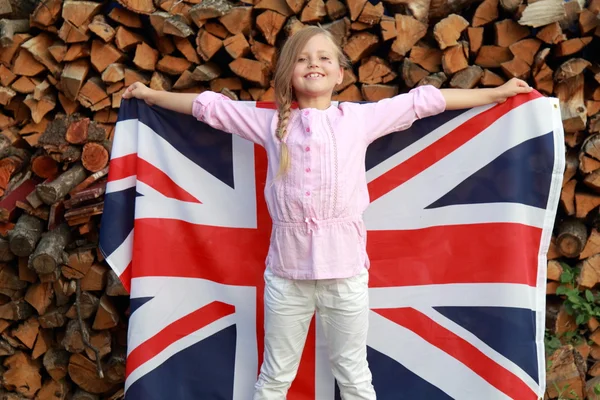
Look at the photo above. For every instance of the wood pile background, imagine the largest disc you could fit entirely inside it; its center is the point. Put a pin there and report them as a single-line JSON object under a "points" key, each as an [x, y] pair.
{"points": [[65, 63]]}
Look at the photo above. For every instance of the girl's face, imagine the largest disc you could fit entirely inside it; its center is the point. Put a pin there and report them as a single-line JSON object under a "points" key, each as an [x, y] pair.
{"points": [[317, 70]]}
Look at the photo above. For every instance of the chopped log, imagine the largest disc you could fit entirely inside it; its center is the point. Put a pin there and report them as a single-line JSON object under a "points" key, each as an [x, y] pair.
{"points": [[104, 54], [10, 284], [360, 45], [94, 157], [145, 57], [101, 28], [448, 31], [25, 235], [467, 78], [492, 56], [525, 49], [551, 34], [439, 9], [412, 73], [238, 20], [375, 70], [270, 23], [475, 36], [49, 252], [516, 68], [107, 316], [22, 374], [138, 6], [40, 296], [38, 47], [315, 11], [572, 237], [567, 197], [82, 372], [27, 332], [584, 203], [378, 92], [508, 32], [455, 58], [56, 362], [39, 108], [490, 79], [207, 44], [571, 46], [572, 104], [73, 77], [592, 247], [52, 191], [42, 344], [173, 65], [114, 286], [485, 13], [427, 57], [251, 70], [177, 26], [543, 13], [567, 369], [408, 32]]}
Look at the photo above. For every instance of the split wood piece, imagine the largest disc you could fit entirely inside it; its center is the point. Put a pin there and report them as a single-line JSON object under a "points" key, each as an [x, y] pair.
{"points": [[572, 237], [54, 318], [516, 68], [378, 92], [114, 73], [567, 369], [336, 9], [511, 5], [588, 21], [22, 374], [375, 70], [160, 81], [41, 90], [47, 13], [88, 306], [543, 80], [8, 28], [53, 390], [107, 315], [157, 20], [173, 65], [485, 13], [41, 296], [542, 13], [567, 197], [53, 191], [6, 95], [26, 65], [209, 9], [58, 51], [570, 92], [12, 160], [589, 274], [6, 76], [279, 6], [25, 235], [238, 20], [94, 157], [508, 32], [104, 54], [251, 70], [571, 46], [348, 79], [73, 340], [77, 51], [93, 95], [132, 76], [555, 270], [39, 108], [80, 12], [16, 310], [125, 17], [56, 362], [490, 56], [44, 166], [126, 40], [355, 7], [49, 252], [234, 83], [185, 47], [412, 73], [42, 344], [101, 28], [592, 247], [315, 12], [177, 26], [571, 166], [114, 286], [95, 279], [10, 283], [38, 47], [408, 32], [139, 6], [145, 57], [102, 341], [448, 31], [455, 58], [207, 44], [206, 72], [439, 9], [467, 78], [216, 29], [593, 180], [78, 264], [236, 46], [270, 23], [7, 54], [429, 58], [360, 45], [23, 85], [584, 203], [388, 28], [83, 373], [551, 34], [72, 78], [525, 49], [475, 36], [417, 8], [27, 332]]}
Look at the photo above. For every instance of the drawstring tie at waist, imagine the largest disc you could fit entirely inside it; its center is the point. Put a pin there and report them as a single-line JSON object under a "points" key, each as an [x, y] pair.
{"points": [[313, 225]]}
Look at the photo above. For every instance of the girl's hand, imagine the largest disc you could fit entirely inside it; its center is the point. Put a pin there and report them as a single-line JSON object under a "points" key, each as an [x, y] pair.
{"points": [[139, 91], [511, 88]]}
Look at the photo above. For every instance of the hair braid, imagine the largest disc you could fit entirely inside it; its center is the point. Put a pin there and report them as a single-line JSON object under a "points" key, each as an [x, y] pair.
{"points": [[284, 118]]}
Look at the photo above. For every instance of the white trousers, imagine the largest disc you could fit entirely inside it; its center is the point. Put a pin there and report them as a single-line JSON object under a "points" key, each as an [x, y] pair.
{"points": [[343, 306]]}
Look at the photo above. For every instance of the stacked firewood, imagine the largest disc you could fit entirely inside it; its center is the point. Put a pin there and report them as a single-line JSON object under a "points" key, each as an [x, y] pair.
{"points": [[65, 63]]}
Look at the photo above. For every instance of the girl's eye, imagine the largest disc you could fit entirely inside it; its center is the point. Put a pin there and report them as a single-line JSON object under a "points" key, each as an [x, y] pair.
{"points": [[324, 58], [301, 59]]}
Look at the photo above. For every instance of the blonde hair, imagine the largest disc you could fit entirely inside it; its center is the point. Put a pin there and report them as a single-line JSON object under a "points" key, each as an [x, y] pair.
{"points": [[284, 92]]}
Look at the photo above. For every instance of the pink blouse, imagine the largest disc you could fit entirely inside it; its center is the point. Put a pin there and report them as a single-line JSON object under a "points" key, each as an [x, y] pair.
{"points": [[317, 207]]}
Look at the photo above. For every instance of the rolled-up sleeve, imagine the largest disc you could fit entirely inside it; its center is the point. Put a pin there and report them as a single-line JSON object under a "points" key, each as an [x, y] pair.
{"points": [[399, 112], [244, 120]]}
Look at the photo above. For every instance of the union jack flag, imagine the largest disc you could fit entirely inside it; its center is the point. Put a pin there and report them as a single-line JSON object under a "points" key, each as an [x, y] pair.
{"points": [[461, 214]]}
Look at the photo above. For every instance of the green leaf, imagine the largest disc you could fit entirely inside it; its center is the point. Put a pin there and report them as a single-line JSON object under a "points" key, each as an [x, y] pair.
{"points": [[566, 276], [580, 319], [561, 290], [589, 295]]}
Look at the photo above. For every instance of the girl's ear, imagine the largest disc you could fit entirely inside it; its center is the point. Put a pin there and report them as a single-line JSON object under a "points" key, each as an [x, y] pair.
{"points": [[341, 77]]}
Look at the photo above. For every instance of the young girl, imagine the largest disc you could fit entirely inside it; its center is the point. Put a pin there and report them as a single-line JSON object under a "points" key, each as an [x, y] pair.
{"points": [[316, 193]]}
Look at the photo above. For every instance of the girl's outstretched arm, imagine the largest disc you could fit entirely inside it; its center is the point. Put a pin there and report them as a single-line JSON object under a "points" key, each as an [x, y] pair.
{"points": [[469, 98], [180, 102]]}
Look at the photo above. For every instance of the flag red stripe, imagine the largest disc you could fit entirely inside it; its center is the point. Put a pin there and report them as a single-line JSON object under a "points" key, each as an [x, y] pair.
{"points": [[444, 146], [160, 181], [125, 277], [179, 329], [477, 253], [463, 351], [122, 167]]}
